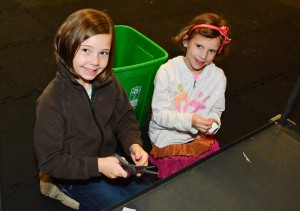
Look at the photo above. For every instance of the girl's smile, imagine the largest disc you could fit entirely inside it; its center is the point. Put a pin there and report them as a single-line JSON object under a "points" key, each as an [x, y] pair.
{"points": [[199, 62], [90, 72]]}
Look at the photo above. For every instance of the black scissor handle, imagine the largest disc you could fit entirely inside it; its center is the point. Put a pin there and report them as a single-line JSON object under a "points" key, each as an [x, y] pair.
{"points": [[130, 168], [133, 169]]}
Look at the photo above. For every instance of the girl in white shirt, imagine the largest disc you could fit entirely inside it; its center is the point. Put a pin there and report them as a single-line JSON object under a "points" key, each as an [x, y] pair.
{"points": [[189, 97]]}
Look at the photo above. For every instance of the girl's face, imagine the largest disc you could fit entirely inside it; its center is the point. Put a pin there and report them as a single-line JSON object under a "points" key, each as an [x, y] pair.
{"points": [[200, 52], [92, 58]]}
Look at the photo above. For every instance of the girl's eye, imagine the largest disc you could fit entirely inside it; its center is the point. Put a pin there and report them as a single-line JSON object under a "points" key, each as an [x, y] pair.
{"points": [[199, 46], [104, 53], [213, 51], [85, 50]]}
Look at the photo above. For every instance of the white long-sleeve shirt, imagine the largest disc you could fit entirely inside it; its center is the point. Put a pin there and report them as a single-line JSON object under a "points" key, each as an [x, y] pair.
{"points": [[178, 94]]}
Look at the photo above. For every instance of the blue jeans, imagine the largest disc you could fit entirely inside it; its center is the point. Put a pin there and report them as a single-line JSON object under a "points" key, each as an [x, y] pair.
{"points": [[98, 194]]}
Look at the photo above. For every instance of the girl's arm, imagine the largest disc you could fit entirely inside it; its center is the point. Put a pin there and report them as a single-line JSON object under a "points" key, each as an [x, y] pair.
{"points": [[125, 122], [219, 105]]}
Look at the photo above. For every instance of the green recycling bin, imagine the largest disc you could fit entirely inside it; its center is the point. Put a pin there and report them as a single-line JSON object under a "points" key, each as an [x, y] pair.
{"points": [[137, 59]]}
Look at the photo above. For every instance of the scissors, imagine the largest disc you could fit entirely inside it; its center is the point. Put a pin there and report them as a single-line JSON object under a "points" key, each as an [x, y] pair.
{"points": [[133, 169]]}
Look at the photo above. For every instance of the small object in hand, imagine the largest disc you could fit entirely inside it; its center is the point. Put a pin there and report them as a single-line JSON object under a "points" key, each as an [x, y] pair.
{"points": [[213, 128], [133, 169]]}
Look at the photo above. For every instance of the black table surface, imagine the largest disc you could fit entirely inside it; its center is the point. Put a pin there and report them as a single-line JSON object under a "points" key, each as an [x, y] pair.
{"points": [[268, 180]]}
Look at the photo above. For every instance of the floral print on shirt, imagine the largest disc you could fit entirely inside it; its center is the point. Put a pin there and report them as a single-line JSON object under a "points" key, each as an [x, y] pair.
{"points": [[182, 102]]}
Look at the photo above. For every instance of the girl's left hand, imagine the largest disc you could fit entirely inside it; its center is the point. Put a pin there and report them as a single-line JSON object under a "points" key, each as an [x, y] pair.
{"points": [[139, 156]]}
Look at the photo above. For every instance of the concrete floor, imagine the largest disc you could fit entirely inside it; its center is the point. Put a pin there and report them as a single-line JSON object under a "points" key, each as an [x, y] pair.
{"points": [[262, 69]]}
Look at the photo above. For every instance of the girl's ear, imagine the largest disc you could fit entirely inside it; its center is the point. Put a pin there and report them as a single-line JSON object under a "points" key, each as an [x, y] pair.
{"points": [[185, 40]]}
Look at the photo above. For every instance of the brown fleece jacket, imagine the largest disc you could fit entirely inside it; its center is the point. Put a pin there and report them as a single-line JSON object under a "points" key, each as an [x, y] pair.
{"points": [[72, 131]]}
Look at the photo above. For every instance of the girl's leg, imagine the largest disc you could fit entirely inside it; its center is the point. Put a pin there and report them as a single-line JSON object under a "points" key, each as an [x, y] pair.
{"points": [[133, 184], [101, 194]]}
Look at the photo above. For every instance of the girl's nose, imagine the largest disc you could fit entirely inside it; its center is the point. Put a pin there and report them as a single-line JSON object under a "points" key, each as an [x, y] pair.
{"points": [[203, 54], [95, 60]]}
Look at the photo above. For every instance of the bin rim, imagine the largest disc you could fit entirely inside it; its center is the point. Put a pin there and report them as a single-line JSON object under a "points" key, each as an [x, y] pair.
{"points": [[163, 58]]}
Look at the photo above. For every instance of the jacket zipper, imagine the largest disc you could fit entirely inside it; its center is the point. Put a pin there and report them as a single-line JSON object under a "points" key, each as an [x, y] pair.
{"points": [[195, 80], [95, 119], [94, 116]]}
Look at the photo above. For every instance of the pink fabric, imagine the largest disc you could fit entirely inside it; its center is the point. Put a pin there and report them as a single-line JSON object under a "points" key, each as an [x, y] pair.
{"points": [[170, 165]]}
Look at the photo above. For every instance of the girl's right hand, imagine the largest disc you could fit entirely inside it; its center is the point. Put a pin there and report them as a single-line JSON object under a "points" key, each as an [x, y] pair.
{"points": [[111, 168], [201, 123]]}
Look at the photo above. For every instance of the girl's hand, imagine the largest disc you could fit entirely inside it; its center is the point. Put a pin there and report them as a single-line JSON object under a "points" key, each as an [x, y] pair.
{"points": [[111, 168], [139, 156], [200, 123]]}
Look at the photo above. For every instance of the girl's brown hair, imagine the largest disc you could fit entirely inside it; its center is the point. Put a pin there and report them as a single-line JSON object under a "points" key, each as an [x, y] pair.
{"points": [[77, 28], [206, 18]]}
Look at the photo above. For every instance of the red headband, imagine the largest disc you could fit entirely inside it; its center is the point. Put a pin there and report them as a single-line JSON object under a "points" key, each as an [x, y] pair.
{"points": [[223, 31]]}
